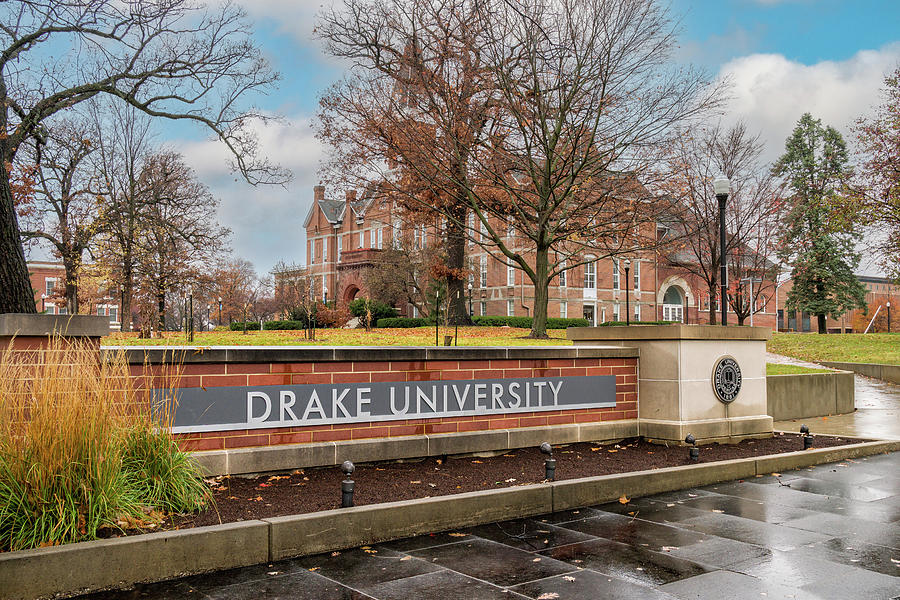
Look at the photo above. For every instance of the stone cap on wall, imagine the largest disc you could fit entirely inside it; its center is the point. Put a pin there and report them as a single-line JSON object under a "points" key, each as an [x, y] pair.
{"points": [[674, 331], [275, 354], [26, 324]]}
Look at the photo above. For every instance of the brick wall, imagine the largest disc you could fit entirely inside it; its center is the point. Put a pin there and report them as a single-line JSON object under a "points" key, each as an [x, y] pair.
{"points": [[210, 374]]}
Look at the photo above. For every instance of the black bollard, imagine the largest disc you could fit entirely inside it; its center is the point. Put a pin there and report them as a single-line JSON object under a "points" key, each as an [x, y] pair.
{"points": [[807, 437], [550, 463], [694, 451], [347, 485]]}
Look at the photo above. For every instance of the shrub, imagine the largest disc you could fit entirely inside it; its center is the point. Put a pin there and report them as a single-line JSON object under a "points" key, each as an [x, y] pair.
{"points": [[617, 323], [284, 325], [526, 322], [405, 322], [239, 326], [379, 310], [77, 440]]}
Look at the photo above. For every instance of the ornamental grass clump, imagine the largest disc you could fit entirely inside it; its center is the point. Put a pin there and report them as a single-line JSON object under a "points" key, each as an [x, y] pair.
{"points": [[82, 448]]}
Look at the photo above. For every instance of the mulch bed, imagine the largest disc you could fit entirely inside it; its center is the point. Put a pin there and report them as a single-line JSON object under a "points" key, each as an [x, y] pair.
{"points": [[317, 489]]}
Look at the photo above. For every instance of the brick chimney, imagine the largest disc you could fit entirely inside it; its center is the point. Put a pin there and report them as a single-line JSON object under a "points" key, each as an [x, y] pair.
{"points": [[319, 193]]}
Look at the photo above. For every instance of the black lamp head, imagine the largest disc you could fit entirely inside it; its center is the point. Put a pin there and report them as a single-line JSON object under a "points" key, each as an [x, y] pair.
{"points": [[546, 448], [690, 439], [804, 429], [347, 467]]}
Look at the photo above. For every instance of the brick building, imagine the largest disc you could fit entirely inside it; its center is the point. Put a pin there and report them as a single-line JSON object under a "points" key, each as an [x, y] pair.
{"points": [[48, 282], [880, 292], [345, 236]]}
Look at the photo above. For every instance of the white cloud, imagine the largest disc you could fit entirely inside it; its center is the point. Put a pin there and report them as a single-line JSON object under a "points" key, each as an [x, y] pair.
{"points": [[266, 221], [771, 92]]}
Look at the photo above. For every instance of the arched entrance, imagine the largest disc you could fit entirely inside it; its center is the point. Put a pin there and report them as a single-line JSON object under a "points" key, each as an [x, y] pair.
{"points": [[673, 304], [350, 294]]}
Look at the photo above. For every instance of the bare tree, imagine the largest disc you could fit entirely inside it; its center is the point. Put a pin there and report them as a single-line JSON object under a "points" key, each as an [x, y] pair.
{"points": [[752, 214], [65, 211], [567, 106], [123, 139], [180, 237], [168, 59]]}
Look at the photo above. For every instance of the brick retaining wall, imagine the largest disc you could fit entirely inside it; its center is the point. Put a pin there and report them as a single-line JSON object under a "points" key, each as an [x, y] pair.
{"points": [[213, 367]]}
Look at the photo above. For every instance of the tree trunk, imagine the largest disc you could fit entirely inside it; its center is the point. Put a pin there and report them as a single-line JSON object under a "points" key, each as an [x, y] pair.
{"points": [[126, 292], [712, 304], [821, 320], [161, 307], [71, 264], [456, 262], [541, 294], [16, 295]]}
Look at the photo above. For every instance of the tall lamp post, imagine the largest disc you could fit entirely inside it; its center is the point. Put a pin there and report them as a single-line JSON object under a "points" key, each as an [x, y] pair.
{"points": [[627, 264], [471, 314], [219, 322], [208, 307], [889, 315], [722, 186]]}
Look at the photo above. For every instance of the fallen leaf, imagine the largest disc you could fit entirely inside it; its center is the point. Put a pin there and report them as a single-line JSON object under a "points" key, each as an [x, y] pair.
{"points": [[477, 462], [264, 485], [274, 573], [612, 450], [716, 510], [407, 557], [568, 578], [776, 474], [456, 534], [594, 449], [669, 548], [277, 477], [439, 461], [623, 499], [416, 481], [313, 568], [335, 553], [536, 559], [548, 596]]}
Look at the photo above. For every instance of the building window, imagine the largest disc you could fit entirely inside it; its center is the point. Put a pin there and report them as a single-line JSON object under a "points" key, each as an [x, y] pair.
{"points": [[636, 265], [483, 307], [562, 273], [471, 227], [510, 230], [510, 275], [483, 272], [324, 250], [340, 248], [362, 238], [563, 309], [380, 232], [324, 290], [483, 231], [616, 311], [510, 308], [396, 234], [101, 311], [615, 264], [312, 252], [113, 314], [49, 285], [62, 310], [637, 312], [590, 275]]}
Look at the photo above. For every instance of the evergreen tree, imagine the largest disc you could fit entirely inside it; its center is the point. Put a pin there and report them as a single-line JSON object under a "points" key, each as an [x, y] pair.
{"points": [[819, 231]]}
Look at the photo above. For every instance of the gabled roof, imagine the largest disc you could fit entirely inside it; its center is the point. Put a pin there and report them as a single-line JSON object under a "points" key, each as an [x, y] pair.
{"points": [[333, 210]]}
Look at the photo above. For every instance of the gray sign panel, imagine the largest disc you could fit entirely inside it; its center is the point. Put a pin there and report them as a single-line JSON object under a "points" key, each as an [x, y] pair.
{"points": [[257, 407]]}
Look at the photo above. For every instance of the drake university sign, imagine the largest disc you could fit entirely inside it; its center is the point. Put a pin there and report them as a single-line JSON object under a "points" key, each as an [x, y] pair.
{"points": [[249, 407]]}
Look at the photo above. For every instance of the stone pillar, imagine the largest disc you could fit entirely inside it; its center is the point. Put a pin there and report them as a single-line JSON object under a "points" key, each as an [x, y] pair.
{"points": [[679, 371]]}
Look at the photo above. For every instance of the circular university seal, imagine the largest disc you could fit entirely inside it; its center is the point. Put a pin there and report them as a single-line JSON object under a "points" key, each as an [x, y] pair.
{"points": [[726, 379]]}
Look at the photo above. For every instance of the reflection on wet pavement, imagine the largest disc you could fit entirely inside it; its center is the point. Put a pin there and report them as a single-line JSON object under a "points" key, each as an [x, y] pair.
{"points": [[877, 413], [831, 531]]}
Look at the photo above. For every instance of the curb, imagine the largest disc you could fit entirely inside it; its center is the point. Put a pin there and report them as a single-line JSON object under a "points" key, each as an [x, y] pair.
{"points": [[118, 563]]}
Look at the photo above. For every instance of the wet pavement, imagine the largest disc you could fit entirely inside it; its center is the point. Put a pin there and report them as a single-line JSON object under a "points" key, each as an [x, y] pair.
{"points": [[826, 532], [877, 414]]}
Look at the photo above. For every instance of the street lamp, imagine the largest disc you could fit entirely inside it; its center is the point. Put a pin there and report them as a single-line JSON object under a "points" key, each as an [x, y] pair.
{"points": [[191, 315], [721, 186], [220, 311], [627, 301], [208, 307], [43, 301], [889, 315], [471, 314]]}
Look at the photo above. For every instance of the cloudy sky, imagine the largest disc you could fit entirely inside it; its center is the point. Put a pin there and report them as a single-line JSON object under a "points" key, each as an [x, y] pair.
{"points": [[784, 58]]}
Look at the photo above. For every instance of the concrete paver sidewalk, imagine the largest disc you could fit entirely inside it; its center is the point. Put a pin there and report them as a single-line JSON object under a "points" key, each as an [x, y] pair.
{"points": [[831, 531]]}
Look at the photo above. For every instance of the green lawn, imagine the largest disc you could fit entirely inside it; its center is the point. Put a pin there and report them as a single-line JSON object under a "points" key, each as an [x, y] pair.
{"points": [[417, 336], [881, 348], [779, 369]]}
